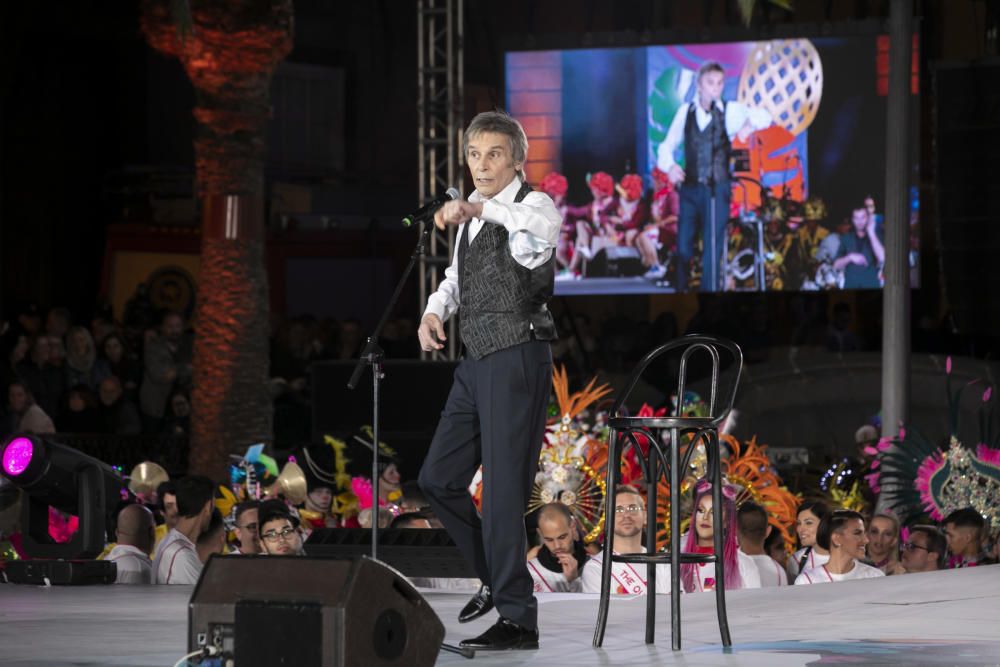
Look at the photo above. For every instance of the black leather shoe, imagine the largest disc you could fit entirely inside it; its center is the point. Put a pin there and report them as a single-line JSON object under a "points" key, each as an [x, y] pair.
{"points": [[504, 635], [480, 603]]}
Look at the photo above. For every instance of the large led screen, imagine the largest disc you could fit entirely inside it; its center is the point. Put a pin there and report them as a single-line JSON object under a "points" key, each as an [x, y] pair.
{"points": [[743, 166]]}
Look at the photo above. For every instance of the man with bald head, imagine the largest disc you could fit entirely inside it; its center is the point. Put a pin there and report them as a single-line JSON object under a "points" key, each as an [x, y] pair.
{"points": [[136, 533], [557, 567]]}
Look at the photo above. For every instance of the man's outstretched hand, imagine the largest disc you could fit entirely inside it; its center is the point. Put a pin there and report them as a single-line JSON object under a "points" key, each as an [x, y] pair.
{"points": [[456, 212], [431, 333]]}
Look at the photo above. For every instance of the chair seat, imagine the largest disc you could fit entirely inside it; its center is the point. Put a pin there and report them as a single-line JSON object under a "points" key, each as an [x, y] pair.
{"points": [[626, 423], [663, 558]]}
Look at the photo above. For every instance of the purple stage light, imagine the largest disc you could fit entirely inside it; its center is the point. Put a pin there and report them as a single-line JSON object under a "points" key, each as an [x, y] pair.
{"points": [[17, 456]]}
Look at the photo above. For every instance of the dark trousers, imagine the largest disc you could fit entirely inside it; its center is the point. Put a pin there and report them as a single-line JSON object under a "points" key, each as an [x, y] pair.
{"points": [[495, 416], [695, 214]]}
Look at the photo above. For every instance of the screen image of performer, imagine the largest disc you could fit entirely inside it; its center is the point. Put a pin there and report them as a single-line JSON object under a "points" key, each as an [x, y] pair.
{"points": [[861, 253], [706, 127], [500, 280]]}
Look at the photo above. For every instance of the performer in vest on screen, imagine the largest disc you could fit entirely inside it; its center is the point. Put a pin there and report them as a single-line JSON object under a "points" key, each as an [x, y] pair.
{"points": [[706, 127], [499, 280]]}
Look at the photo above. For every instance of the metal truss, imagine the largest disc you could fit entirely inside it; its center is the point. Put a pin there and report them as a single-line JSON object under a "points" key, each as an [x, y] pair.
{"points": [[440, 90]]}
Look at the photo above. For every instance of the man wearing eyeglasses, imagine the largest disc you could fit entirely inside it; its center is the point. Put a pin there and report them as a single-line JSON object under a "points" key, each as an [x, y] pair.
{"points": [[279, 531], [924, 550], [247, 536], [626, 578]]}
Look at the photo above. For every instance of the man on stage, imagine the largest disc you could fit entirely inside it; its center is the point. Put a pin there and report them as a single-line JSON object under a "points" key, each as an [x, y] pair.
{"points": [[706, 127], [500, 278]]}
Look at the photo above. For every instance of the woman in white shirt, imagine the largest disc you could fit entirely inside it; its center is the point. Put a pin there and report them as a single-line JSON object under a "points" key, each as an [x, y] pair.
{"points": [[843, 534], [810, 554]]}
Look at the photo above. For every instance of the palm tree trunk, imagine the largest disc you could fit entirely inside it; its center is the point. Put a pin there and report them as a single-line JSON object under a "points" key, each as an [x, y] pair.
{"points": [[229, 49]]}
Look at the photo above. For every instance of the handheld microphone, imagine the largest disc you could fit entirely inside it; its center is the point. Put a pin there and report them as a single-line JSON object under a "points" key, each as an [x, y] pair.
{"points": [[430, 207]]}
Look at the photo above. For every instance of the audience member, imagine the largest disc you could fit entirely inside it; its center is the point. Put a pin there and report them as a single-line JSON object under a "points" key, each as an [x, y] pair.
{"points": [[57, 354], [810, 554], [178, 418], [964, 530], [166, 498], [557, 567], [45, 381], [925, 549], [740, 569], [213, 539], [754, 530], [626, 578], [23, 415], [774, 546], [118, 415], [176, 559], [279, 530], [79, 413], [135, 535], [247, 538], [883, 543], [166, 365], [122, 364], [58, 321], [101, 326], [842, 533], [82, 365]]}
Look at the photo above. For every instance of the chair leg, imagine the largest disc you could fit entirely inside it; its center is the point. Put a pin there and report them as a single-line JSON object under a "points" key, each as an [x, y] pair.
{"points": [[609, 534], [675, 541], [715, 456], [651, 543]]}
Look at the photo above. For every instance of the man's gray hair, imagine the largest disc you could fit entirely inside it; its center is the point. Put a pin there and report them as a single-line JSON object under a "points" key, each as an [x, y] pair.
{"points": [[500, 122]]}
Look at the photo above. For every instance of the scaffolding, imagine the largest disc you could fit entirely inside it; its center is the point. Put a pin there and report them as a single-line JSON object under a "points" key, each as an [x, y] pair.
{"points": [[439, 135]]}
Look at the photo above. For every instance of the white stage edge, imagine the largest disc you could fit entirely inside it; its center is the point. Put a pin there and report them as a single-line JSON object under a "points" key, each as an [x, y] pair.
{"points": [[941, 618]]}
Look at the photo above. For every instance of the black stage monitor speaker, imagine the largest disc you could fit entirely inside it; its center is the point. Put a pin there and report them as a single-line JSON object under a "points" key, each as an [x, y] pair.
{"points": [[616, 262], [416, 552], [311, 612], [60, 572]]}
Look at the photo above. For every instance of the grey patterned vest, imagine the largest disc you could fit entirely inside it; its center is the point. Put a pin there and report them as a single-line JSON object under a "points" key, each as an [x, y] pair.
{"points": [[501, 301], [706, 152]]}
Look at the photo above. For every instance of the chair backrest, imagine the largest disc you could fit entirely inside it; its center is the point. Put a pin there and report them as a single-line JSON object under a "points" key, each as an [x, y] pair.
{"points": [[720, 403]]}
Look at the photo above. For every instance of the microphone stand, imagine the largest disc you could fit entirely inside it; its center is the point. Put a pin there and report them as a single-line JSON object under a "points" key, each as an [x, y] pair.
{"points": [[372, 355]]}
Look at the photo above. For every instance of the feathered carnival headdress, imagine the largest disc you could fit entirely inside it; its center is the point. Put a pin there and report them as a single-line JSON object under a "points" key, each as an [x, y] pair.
{"points": [[554, 184], [746, 468], [630, 187], [564, 472], [602, 182], [814, 209], [921, 478]]}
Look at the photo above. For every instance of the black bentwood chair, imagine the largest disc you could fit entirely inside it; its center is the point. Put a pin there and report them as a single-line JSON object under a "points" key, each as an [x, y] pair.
{"points": [[667, 432]]}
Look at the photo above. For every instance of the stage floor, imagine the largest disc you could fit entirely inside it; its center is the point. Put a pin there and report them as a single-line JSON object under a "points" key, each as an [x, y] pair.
{"points": [[941, 618]]}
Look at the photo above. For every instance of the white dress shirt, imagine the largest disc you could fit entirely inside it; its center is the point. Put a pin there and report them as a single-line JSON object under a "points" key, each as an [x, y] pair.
{"points": [[547, 581], [821, 575], [814, 560], [748, 573], [770, 571], [737, 115], [533, 228], [176, 560], [134, 566], [626, 578]]}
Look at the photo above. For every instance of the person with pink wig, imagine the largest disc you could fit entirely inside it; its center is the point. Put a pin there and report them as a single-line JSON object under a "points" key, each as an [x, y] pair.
{"points": [[740, 570]]}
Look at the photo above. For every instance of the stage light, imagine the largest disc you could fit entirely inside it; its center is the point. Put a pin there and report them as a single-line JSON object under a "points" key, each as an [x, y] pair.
{"points": [[54, 475], [17, 456]]}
